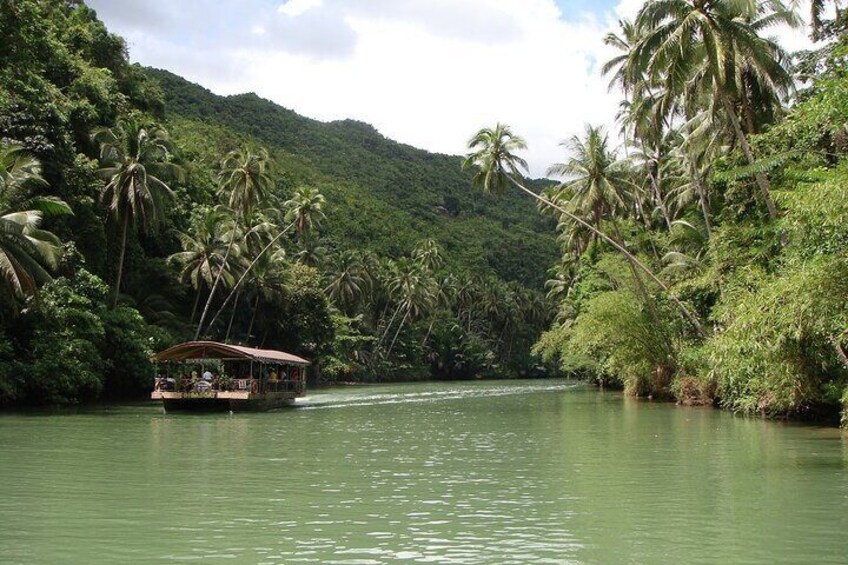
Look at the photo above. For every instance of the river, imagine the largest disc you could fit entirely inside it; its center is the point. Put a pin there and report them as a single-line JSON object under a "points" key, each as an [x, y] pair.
{"points": [[484, 472]]}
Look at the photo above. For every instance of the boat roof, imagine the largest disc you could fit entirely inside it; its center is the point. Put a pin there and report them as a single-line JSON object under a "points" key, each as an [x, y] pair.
{"points": [[214, 350]]}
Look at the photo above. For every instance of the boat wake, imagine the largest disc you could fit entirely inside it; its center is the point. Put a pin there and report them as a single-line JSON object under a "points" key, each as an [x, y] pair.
{"points": [[368, 396]]}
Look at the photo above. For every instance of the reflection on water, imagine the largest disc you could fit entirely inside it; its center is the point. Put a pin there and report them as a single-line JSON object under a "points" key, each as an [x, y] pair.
{"points": [[525, 472]]}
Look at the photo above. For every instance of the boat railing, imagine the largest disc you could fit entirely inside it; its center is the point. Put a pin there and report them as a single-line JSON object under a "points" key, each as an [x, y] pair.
{"points": [[169, 384]]}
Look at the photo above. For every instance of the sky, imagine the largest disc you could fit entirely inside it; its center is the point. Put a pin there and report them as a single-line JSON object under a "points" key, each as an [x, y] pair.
{"points": [[429, 73]]}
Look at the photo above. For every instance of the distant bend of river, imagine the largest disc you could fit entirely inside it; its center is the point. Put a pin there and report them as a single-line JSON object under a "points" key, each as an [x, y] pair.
{"points": [[483, 472]]}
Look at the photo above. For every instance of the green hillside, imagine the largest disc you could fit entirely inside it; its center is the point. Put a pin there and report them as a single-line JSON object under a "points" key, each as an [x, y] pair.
{"points": [[382, 195], [138, 210]]}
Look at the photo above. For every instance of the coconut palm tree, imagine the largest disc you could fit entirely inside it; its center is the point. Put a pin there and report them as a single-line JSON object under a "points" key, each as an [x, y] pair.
{"points": [[269, 281], [135, 163], [304, 209], [27, 252], [712, 47], [497, 167], [202, 257], [596, 184], [414, 289], [243, 182], [817, 22], [428, 253], [350, 280]]}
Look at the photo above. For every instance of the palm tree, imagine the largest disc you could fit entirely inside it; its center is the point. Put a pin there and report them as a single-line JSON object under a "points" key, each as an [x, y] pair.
{"points": [[428, 253], [311, 251], [498, 167], [414, 290], [269, 281], [134, 161], [350, 280], [817, 22], [243, 181], [202, 257], [26, 251], [712, 47], [596, 184], [304, 209]]}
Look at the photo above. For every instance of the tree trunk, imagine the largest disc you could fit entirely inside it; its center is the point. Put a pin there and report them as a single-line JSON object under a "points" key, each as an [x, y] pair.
{"points": [[391, 321], [655, 184], [429, 331], [121, 259], [196, 303], [705, 205], [215, 284], [246, 272], [397, 333], [762, 181], [253, 316], [683, 309], [232, 317]]}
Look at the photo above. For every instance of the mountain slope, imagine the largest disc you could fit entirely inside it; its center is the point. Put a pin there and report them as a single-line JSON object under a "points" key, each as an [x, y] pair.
{"points": [[381, 194]]}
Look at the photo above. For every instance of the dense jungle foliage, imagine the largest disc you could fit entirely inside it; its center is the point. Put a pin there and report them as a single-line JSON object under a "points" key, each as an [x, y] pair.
{"points": [[703, 260], [711, 265], [139, 210]]}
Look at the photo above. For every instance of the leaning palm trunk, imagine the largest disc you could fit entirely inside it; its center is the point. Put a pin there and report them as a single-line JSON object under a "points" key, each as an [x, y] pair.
{"points": [[683, 309], [656, 184], [247, 271], [232, 317], [253, 315], [705, 205], [762, 181], [196, 302], [121, 259], [215, 285], [397, 333], [646, 297], [389, 326]]}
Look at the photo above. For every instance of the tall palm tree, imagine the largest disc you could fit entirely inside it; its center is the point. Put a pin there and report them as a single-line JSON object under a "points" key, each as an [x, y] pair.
{"points": [[428, 253], [202, 257], [135, 163], [269, 281], [497, 167], [304, 209], [697, 47], [596, 184], [26, 251], [414, 289], [350, 280], [243, 182]]}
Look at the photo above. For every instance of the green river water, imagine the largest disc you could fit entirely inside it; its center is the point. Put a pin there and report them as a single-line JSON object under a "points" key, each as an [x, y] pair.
{"points": [[488, 472]]}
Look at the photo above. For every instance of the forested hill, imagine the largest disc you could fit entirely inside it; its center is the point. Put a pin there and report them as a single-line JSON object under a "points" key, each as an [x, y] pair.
{"points": [[382, 195], [138, 210]]}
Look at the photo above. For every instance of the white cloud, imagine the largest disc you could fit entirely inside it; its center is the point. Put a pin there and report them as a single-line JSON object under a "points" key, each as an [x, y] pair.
{"points": [[294, 8], [424, 72]]}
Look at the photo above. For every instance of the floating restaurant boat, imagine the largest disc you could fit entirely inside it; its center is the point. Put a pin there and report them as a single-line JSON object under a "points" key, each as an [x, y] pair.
{"points": [[207, 375]]}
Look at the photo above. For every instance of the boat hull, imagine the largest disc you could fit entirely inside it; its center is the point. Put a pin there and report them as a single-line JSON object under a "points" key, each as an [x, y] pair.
{"points": [[222, 401]]}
